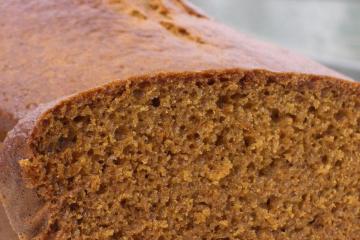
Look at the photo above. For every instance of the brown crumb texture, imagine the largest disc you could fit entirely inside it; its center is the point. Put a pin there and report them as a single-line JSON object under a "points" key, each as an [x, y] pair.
{"points": [[251, 155]]}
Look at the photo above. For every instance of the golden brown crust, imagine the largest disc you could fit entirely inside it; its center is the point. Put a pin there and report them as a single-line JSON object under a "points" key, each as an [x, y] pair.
{"points": [[56, 48]]}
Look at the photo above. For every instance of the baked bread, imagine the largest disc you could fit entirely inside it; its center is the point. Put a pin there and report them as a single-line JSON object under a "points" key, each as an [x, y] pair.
{"points": [[148, 120]]}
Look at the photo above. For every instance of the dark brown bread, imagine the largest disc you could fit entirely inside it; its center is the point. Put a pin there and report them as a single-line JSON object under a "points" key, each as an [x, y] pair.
{"points": [[112, 98]]}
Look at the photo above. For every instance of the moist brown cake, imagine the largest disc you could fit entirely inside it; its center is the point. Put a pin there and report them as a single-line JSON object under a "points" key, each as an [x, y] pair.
{"points": [[148, 120]]}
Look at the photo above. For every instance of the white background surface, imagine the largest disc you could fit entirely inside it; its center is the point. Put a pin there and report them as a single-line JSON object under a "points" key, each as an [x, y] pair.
{"points": [[325, 30]]}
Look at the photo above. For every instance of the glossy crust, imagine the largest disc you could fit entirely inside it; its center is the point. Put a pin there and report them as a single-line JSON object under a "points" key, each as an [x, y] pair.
{"points": [[57, 52]]}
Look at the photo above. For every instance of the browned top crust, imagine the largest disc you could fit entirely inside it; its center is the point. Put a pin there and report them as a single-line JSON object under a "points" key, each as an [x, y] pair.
{"points": [[56, 48]]}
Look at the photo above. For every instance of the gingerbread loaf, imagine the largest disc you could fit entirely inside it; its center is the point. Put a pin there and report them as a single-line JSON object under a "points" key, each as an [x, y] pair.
{"points": [[146, 119]]}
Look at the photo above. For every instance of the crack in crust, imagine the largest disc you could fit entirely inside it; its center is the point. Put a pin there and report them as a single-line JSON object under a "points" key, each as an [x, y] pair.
{"points": [[163, 11], [181, 32]]}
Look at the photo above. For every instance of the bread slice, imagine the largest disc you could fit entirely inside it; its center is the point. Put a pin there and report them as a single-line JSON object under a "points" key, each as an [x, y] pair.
{"points": [[147, 120]]}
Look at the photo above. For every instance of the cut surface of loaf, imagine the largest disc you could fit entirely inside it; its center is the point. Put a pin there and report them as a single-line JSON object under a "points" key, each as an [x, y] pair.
{"points": [[230, 155], [148, 120]]}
